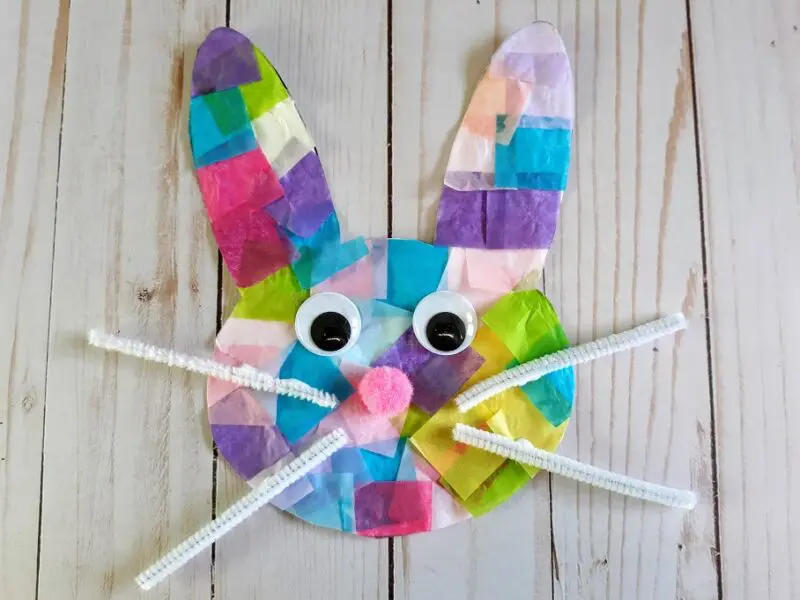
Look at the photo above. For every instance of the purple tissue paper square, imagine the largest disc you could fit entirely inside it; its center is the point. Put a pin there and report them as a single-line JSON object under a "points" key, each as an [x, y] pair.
{"points": [[406, 354], [224, 60], [249, 449], [521, 218], [306, 202], [441, 378], [435, 378], [461, 219]]}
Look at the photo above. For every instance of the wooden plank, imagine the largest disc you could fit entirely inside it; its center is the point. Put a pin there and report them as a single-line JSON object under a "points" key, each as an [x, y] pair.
{"points": [[629, 249], [647, 272], [333, 59], [128, 466], [748, 90], [436, 66], [32, 43]]}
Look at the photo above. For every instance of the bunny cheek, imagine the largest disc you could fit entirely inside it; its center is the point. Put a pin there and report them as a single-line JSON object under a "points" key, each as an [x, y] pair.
{"points": [[241, 419]]}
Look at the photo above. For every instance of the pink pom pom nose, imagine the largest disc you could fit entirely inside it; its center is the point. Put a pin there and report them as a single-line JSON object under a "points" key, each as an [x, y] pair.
{"points": [[385, 391]]}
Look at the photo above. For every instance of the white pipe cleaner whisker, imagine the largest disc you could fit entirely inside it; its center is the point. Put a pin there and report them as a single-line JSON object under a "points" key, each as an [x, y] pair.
{"points": [[245, 375], [523, 451], [268, 489], [533, 370]]}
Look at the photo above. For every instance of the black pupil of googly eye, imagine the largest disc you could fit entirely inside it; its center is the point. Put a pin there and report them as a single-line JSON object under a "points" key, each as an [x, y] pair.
{"points": [[446, 332], [330, 331]]}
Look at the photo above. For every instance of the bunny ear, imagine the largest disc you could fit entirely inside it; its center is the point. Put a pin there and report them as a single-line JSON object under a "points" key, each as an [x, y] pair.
{"points": [[261, 179], [508, 166]]}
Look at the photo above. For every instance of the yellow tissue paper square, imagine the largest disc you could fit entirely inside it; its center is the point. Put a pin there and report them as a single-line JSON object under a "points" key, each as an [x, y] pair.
{"points": [[503, 484], [413, 420], [434, 440], [471, 470], [517, 417], [277, 298], [526, 324], [495, 353], [260, 96]]}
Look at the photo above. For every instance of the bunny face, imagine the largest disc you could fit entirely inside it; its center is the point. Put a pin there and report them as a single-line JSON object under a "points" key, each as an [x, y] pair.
{"points": [[394, 329]]}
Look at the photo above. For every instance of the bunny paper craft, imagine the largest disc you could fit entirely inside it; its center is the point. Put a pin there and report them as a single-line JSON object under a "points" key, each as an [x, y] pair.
{"points": [[385, 386], [329, 312]]}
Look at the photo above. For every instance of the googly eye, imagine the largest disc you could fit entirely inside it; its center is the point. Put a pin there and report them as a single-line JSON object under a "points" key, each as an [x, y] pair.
{"points": [[327, 324], [445, 323]]}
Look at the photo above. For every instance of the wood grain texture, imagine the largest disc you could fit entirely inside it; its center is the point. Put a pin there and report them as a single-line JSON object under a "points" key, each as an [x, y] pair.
{"points": [[128, 465], [436, 66], [33, 39], [629, 249], [333, 58], [748, 87]]}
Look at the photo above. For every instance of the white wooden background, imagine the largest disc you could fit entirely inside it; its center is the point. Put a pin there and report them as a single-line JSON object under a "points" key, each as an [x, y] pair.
{"points": [[684, 194]]}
